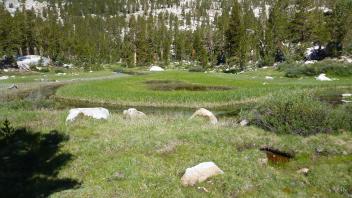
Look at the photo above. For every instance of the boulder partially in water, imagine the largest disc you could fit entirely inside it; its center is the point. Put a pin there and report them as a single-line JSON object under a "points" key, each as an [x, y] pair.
{"points": [[96, 113], [200, 173], [204, 113]]}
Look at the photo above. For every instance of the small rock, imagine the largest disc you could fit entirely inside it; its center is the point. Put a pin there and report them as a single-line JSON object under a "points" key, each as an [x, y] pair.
{"points": [[156, 69], [263, 161], [200, 173], [4, 77], [269, 78], [322, 77], [346, 95], [133, 113], [205, 114], [310, 62], [244, 123], [346, 101], [13, 86], [96, 113], [203, 189], [303, 171], [117, 176]]}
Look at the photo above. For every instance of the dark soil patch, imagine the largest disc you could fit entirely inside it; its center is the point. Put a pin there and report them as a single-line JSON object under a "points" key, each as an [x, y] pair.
{"points": [[333, 99], [174, 85], [276, 156]]}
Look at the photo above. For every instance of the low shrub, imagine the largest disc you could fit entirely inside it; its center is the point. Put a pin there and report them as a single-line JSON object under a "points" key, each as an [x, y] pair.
{"points": [[299, 114], [341, 118], [196, 69], [59, 70], [327, 67]]}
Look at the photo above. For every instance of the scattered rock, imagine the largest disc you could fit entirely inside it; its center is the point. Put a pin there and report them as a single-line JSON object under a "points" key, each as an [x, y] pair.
{"points": [[203, 189], [117, 176], [4, 77], [322, 77], [156, 69], [24, 62], [96, 113], [169, 147], [346, 101], [200, 173], [68, 66], [346, 95], [205, 114], [263, 161], [133, 113], [310, 62], [346, 59], [303, 171], [13, 86], [269, 78], [244, 123]]}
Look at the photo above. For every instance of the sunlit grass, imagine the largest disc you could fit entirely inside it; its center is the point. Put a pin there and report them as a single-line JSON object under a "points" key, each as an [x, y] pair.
{"points": [[133, 91]]}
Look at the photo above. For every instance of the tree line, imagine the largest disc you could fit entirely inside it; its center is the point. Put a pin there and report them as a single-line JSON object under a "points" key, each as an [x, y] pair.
{"points": [[92, 33]]}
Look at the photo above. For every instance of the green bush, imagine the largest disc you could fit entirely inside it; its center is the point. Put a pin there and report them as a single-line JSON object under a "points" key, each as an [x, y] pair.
{"points": [[59, 70], [341, 118], [293, 113], [327, 67], [196, 69]]}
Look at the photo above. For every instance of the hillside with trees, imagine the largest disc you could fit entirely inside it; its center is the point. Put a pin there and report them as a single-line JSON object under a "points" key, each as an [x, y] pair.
{"points": [[205, 32]]}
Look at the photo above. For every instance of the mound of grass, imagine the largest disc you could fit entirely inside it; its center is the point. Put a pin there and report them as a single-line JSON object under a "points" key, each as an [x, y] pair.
{"points": [[299, 114], [327, 67]]}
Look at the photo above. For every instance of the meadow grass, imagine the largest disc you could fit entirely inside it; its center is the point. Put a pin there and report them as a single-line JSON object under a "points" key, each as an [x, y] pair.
{"points": [[146, 158], [134, 91], [30, 77]]}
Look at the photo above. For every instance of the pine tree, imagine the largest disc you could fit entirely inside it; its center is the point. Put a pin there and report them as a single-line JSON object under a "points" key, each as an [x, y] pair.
{"points": [[235, 35]]}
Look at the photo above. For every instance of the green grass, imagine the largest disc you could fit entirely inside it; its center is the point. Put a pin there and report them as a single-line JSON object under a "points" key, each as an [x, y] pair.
{"points": [[152, 155], [132, 91], [28, 77]]}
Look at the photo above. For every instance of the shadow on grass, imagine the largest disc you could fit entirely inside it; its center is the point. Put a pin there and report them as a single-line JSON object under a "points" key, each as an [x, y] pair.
{"points": [[30, 163]]}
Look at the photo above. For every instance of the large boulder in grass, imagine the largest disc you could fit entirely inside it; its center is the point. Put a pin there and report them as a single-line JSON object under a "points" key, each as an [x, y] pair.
{"points": [[25, 62], [133, 113], [156, 69], [204, 113], [200, 173], [96, 113]]}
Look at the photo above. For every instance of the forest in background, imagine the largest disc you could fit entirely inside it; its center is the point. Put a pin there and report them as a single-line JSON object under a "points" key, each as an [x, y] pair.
{"points": [[137, 33]]}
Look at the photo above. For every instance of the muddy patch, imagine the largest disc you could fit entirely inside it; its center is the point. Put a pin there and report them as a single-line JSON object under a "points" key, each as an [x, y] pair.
{"points": [[276, 156], [175, 85], [333, 99]]}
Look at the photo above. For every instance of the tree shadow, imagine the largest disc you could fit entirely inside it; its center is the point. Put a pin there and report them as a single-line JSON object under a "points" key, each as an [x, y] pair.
{"points": [[30, 163]]}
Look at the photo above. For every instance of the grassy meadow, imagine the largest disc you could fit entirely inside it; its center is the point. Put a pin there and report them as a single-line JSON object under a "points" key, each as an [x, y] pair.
{"points": [[243, 88], [147, 157]]}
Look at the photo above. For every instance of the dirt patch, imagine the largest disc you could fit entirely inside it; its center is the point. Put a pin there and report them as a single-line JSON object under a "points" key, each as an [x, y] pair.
{"points": [[333, 99], [276, 156], [175, 85]]}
